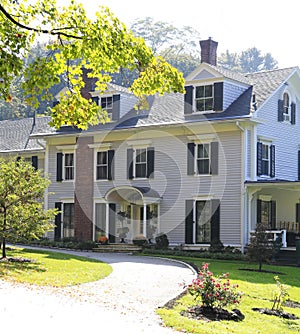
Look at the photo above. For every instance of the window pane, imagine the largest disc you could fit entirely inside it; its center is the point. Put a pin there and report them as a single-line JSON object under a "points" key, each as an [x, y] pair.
{"points": [[102, 158], [208, 91], [140, 170], [141, 155], [203, 150], [68, 220], [102, 172], [203, 166], [200, 91], [69, 159], [209, 104], [200, 105]]}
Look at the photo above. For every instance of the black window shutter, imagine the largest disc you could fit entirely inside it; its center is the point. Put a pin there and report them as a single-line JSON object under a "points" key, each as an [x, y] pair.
{"points": [[95, 99], [188, 100], [273, 215], [111, 164], [259, 159], [130, 163], [34, 162], [215, 219], [280, 111], [214, 157], [57, 221], [293, 113], [190, 159], [55, 103], [258, 211], [218, 96], [299, 165], [116, 107], [59, 166], [189, 204], [112, 223], [272, 162], [297, 212], [150, 162]]}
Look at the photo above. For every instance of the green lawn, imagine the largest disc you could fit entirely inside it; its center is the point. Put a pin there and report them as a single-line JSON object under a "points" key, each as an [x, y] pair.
{"points": [[52, 268], [257, 291]]}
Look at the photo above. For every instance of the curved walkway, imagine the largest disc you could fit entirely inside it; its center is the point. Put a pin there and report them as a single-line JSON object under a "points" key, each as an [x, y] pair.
{"points": [[123, 302]]}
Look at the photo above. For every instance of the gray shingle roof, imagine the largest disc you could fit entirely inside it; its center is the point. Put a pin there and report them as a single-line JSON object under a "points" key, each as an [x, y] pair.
{"points": [[14, 134], [266, 82]]}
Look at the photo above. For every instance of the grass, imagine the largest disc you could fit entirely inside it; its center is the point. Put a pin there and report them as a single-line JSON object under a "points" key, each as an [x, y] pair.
{"points": [[257, 288], [52, 268]]}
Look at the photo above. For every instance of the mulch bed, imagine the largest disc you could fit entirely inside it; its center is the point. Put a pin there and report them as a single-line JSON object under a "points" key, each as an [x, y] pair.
{"points": [[212, 314], [263, 271], [16, 259], [277, 313]]}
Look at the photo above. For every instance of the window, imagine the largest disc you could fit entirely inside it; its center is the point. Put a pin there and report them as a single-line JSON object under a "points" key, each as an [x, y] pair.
{"points": [[102, 166], [266, 212], [140, 162], [265, 159], [286, 107], [203, 158], [69, 166], [204, 98], [68, 220], [107, 105]]}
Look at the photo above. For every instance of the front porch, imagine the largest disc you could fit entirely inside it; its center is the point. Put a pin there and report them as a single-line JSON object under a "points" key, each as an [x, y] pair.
{"points": [[276, 203], [127, 212]]}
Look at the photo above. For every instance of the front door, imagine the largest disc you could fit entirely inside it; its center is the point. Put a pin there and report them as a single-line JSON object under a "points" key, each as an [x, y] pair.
{"points": [[203, 222]]}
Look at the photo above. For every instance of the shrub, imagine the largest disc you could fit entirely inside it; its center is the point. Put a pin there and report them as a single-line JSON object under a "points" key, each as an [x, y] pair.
{"points": [[162, 241], [216, 246], [214, 291]]}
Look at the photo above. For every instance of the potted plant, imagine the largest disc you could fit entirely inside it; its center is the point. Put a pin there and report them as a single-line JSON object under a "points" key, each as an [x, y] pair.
{"points": [[103, 240], [139, 240], [123, 230]]}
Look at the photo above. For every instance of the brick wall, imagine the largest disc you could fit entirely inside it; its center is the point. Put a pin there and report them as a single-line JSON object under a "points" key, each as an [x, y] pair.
{"points": [[83, 204]]}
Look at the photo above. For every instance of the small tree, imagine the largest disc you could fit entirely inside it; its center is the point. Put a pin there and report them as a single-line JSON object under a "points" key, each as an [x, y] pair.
{"points": [[260, 249], [21, 202]]}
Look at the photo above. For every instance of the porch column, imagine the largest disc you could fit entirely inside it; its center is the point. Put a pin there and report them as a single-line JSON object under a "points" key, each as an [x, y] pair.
{"points": [[145, 220], [107, 220]]}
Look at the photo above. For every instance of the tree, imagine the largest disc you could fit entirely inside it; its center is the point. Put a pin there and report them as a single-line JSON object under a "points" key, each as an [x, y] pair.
{"points": [[179, 46], [21, 202], [260, 249], [103, 46], [248, 61]]}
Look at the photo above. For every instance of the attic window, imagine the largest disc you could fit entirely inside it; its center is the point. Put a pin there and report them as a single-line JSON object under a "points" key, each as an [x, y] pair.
{"points": [[107, 104], [204, 98], [286, 107]]}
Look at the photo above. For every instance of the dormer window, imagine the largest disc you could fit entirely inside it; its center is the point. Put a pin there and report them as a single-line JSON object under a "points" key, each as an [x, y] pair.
{"points": [[204, 98], [109, 103]]}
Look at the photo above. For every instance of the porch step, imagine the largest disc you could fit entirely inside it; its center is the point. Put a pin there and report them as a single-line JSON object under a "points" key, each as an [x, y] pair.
{"points": [[287, 257], [117, 248]]}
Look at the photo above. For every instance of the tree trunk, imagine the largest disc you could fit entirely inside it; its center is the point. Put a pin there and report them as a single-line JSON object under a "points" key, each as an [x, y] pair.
{"points": [[3, 248]]}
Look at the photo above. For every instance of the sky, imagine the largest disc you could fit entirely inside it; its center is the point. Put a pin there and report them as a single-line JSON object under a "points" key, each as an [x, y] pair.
{"points": [[271, 26]]}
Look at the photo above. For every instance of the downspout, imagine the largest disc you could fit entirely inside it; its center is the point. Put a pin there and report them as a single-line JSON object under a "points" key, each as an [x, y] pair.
{"points": [[242, 188]]}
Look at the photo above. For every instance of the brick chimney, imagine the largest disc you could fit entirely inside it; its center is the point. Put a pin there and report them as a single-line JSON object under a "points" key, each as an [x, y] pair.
{"points": [[209, 51]]}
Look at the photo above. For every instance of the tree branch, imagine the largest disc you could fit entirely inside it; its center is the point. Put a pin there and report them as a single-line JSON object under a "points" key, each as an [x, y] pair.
{"points": [[43, 31]]}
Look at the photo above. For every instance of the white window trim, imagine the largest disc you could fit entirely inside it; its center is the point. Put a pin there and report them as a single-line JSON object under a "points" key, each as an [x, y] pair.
{"points": [[144, 143], [134, 163], [96, 165], [198, 112], [99, 147], [267, 143]]}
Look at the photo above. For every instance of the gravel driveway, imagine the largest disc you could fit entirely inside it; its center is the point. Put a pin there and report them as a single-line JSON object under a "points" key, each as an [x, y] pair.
{"points": [[123, 302]]}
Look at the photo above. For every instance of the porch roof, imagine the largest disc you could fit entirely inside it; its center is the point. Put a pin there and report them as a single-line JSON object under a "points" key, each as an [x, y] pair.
{"points": [[133, 195], [272, 183]]}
